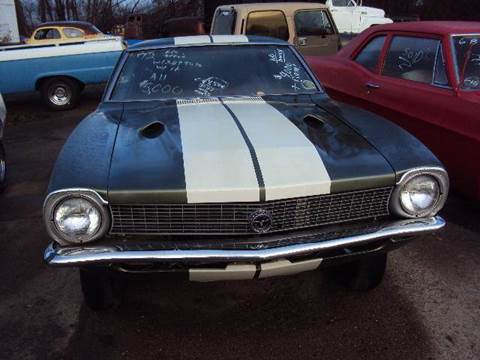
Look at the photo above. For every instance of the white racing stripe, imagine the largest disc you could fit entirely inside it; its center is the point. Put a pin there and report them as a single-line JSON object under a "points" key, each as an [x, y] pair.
{"points": [[190, 40], [217, 162], [230, 39], [289, 162]]}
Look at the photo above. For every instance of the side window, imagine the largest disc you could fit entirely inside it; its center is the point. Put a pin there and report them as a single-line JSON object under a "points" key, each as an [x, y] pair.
{"points": [[268, 23], [440, 73], [343, 3], [73, 33], [370, 54], [224, 22], [44, 34], [312, 23], [412, 58], [53, 34], [41, 34]]}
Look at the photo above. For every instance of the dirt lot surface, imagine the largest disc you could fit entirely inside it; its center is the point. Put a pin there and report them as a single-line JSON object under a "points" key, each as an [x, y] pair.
{"points": [[428, 307]]}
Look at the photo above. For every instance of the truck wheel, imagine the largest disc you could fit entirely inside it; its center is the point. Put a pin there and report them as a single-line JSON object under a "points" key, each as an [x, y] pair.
{"points": [[60, 93], [99, 289], [363, 274], [3, 168]]}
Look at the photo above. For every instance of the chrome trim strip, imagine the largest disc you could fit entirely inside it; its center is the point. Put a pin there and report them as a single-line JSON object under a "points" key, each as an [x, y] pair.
{"points": [[421, 170], [75, 190], [165, 46], [87, 255]]}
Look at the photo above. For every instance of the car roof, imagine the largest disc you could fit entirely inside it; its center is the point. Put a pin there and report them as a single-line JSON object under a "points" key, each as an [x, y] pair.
{"points": [[288, 6], [78, 24], [205, 40], [435, 27]]}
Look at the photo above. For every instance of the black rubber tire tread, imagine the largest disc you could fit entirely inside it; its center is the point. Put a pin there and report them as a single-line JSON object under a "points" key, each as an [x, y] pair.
{"points": [[364, 274], [99, 288]]}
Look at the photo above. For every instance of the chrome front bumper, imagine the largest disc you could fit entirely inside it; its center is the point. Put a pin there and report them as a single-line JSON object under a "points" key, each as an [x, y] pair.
{"points": [[98, 254]]}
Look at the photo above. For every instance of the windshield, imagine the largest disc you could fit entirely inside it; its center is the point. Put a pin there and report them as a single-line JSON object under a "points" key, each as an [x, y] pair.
{"points": [[204, 71], [467, 53], [343, 3]]}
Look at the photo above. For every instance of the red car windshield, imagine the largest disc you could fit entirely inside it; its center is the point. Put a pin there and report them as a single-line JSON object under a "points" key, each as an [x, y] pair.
{"points": [[467, 53]]}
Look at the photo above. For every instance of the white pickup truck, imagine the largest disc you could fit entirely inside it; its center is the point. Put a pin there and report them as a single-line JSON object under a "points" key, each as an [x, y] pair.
{"points": [[351, 17]]}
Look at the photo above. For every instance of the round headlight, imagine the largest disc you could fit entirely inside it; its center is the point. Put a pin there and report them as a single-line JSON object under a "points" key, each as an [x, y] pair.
{"points": [[77, 217], [420, 195]]}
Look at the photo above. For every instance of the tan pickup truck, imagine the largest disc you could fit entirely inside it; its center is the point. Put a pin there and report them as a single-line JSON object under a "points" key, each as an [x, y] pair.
{"points": [[310, 27]]}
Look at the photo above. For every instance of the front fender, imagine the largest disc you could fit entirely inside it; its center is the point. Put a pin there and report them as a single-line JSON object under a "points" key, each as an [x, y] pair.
{"points": [[84, 161]]}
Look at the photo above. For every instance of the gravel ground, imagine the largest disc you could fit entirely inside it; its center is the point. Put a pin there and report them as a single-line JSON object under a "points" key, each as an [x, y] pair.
{"points": [[428, 307]]}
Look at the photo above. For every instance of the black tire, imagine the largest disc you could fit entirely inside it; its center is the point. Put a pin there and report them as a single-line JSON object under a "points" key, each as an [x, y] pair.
{"points": [[3, 168], [99, 289], [363, 274], [60, 93]]}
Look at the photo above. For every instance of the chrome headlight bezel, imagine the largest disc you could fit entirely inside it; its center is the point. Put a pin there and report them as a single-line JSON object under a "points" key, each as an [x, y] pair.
{"points": [[55, 199], [437, 174]]}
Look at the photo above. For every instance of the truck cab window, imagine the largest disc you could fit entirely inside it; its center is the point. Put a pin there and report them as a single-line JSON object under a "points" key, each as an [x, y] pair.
{"points": [[370, 54], [313, 22], [224, 22], [268, 23], [343, 3]]}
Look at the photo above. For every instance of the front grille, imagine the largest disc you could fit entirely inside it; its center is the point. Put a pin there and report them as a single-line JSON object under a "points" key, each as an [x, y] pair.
{"points": [[233, 218]]}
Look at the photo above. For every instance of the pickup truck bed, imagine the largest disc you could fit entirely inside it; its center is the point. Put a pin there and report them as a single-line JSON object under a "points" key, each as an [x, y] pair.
{"points": [[66, 67]]}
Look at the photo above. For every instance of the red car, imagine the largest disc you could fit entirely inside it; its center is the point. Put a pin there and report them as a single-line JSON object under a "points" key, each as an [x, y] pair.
{"points": [[426, 77]]}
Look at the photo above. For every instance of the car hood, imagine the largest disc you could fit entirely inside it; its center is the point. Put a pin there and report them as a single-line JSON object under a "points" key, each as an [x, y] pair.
{"points": [[238, 150]]}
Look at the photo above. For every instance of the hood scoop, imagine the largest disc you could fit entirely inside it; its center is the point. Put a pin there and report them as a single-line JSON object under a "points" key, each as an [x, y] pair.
{"points": [[152, 130], [315, 122]]}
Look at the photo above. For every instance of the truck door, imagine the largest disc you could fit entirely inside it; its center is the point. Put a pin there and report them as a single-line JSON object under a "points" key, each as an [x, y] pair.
{"points": [[357, 12], [342, 12], [315, 33]]}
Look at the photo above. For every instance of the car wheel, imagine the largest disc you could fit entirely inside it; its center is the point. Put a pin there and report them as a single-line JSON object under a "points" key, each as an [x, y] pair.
{"points": [[99, 289], [363, 274], [60, 93], [3, 168]]}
